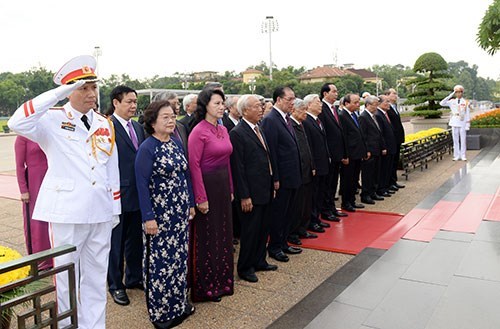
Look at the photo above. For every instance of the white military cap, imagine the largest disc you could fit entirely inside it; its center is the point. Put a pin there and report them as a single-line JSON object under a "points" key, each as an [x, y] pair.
{"points": [[78, 68]]}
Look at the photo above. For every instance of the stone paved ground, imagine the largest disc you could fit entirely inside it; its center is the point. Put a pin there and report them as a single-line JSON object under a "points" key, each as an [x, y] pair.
{"points": [[252, 305]]}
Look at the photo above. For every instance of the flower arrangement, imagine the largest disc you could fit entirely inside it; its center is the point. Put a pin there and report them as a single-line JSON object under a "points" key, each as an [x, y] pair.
{"points": [[423, 134], [8, 254], [490, 119]]}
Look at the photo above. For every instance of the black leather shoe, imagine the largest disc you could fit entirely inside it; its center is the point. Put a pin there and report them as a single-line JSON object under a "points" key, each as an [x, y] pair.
{"points": [[330, 218], [292, 250], [393, 188], [308, 235], [216, 299], [139, 286], [340, 214], [349, 208], [120, 297], [358, 205], [386, 195], [367, 200], [324, 225], [390, 192], [316, 228], [189, 309], [377, 197], [164, 325], [250, 277], [399, 185], [294, 240], [267, 267], [280, 257]]}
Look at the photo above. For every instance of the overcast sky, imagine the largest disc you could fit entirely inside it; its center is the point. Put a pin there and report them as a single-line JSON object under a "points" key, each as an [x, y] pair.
{"points": [[147, 38]]}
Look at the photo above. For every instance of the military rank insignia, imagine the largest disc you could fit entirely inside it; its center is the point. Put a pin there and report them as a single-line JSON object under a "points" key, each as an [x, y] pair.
{"points": [[68, 126]]}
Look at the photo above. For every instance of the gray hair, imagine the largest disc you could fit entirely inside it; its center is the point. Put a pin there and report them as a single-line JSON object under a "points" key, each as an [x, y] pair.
{"points": [[243, 102], [298, 103], [188, 99], [310, 98], [371, 99], [231, 101], [458, 87], [164, 96]]}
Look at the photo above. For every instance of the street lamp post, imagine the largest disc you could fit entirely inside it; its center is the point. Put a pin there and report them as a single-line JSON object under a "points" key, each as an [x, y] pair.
{"points": [[270, 25], [97, 53], [251, 85]]}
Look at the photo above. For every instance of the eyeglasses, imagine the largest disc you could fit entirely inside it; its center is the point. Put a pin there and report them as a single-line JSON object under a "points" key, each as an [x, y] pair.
{"points": [[289, 99]]}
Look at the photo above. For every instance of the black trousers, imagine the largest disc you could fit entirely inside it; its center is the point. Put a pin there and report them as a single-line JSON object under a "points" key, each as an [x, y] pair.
{"points": [[349, 181], [386, 164], [319, 194], [126, 245], [281, 219], [369, 176], [395, 164], [331, 187], [253, 238], [301, 209]]}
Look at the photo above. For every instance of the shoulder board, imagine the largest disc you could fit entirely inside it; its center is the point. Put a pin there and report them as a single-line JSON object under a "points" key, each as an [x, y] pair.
{"points": [[100, 114], [57, 108]]}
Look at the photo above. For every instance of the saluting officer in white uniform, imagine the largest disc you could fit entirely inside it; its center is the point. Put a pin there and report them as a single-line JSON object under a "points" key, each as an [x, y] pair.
{"points": [[80, 194], [459, 121]]}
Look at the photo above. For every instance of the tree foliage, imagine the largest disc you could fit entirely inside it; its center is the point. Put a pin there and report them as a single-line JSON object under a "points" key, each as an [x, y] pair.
{"points": [[488, 34], [428, 87]]}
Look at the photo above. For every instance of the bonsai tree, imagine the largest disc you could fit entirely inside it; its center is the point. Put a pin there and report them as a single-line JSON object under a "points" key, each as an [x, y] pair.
{"points": [[427, 87], [488, 35]]}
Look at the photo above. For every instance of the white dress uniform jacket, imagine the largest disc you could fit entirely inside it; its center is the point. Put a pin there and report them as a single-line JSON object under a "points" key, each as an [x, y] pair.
{"points": [[82, 164], [460, 111]]}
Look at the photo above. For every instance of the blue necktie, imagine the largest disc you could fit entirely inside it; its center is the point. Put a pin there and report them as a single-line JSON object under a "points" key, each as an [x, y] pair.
{"points": [[353, 115]]}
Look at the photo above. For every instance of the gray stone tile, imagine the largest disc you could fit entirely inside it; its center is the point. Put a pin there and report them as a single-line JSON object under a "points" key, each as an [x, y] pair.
{"points": [[339, 316], [404, 252], [408, 305], [481, 261], [455, 236], [488, 231], [372, 286], [468, 303], [438, 262], [456, 196]]}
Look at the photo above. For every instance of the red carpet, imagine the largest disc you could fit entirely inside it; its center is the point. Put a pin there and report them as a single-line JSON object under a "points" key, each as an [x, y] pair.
{"points": [[431, 223], [9, 188], [469, 214], [493, 212], [353, 233]]}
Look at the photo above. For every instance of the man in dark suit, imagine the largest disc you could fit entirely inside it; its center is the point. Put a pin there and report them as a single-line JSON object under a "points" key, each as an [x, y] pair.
{"points": [[336, 146], [253, 188], [126, 238], [189, 104], [375, 144], [356, 150], [318, 144], [399, 133], [302, 203], [232, 116], [285, 161], [386, 161]]}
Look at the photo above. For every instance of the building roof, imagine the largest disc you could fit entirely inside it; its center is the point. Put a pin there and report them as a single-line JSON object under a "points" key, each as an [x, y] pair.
{"points": [[323, 72], [365, 74]]}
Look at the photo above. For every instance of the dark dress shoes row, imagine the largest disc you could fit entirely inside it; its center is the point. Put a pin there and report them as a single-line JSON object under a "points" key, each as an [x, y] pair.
{"points": [[323, 224], [250, 277], [399, 185], [292, 250], [279, 256], [385, 194], [367, 200], [377, 197], [267, 267], [330, 217], [316, 228], [308, 235], [339, 213], [349, 208], [120, 297], [393, 188], [294, 240]]}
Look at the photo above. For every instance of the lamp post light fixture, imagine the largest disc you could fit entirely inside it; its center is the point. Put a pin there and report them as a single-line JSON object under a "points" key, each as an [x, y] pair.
{"points": [[97, 53], [270, 25], [251, 85]]}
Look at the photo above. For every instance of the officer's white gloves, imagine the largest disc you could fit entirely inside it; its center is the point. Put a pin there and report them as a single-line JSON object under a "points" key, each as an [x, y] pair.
{"points": [[64, 91], [115, 220]]}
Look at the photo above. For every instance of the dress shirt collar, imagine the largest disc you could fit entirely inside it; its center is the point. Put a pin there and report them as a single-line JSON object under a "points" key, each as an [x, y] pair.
{"points": [[79, 115], [329, 105], [232, 119], [283, 114], [312, 116], [291, 117], [122, 121], [252, 126]]}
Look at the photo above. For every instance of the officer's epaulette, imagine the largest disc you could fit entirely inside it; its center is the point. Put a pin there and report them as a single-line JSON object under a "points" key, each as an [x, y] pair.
{"points": [[104, 116], [57, 108]]}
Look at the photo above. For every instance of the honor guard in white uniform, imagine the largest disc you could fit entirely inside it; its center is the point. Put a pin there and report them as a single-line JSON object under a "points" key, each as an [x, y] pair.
{"points": [[459, 121], [80, 194]]}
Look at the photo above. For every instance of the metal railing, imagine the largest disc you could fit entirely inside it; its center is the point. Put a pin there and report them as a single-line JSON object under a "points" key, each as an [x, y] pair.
{"points": [[35, 313], [420, 152]]}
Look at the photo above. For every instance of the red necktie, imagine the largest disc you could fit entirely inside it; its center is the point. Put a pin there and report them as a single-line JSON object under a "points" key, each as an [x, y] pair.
{"points": [[387, 117], [335, 114], [318, 121]]}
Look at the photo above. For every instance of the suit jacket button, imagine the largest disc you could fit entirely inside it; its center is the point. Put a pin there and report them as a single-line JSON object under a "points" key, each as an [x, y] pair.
{"points": [[93, 183]]}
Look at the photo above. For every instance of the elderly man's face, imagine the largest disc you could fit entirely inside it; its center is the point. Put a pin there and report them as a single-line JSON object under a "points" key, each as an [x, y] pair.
{"points": [[253, 111], [372, 108], [299, 113]]}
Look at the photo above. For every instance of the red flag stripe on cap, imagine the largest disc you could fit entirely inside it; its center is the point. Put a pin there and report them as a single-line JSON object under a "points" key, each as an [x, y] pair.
{"points": [[78, 74]]}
